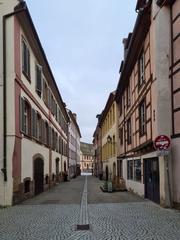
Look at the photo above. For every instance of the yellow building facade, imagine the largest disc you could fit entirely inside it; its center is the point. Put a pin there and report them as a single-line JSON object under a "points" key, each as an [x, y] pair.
{"points": [[108, 125]]}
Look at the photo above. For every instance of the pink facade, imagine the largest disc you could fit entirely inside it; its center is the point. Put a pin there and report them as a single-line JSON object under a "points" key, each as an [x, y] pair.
{"points": [[175, 77], [147, 106]]}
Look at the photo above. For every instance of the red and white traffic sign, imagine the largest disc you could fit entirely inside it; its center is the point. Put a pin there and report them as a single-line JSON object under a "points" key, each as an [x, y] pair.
{"points": [[162, 143]]}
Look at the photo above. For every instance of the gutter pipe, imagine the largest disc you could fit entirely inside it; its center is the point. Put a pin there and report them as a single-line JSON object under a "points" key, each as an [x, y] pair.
{"points": [[5, 17]]}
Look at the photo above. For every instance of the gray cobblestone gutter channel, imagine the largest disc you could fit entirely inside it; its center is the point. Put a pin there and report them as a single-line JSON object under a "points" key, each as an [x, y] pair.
{"points": [[84, 219]]}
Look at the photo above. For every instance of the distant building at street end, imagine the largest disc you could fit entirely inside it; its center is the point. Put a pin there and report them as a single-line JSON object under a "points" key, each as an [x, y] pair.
{"points": [[86, 157], [74, 145], [33, 117]]}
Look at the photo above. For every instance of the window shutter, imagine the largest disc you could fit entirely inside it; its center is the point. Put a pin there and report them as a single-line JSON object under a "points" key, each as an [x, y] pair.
{"points": [[49, 98], [38, 79], [50, 142], [42, 131], [56, 110], [39, 126], [23, 56], [59, 142], [22, 118], [34, 123], [28, 61], [45, 134], [43, 89], [25, 59]]}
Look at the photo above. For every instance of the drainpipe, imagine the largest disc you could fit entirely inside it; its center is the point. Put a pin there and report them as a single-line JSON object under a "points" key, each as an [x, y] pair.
{"points": [[171, 69], [5, 17]]}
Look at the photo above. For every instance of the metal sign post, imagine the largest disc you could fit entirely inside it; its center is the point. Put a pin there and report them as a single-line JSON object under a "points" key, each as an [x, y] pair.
{"points": [[162, 144]]}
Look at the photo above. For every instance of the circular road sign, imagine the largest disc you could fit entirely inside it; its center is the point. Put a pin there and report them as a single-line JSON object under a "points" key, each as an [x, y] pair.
{"points": [[161, 143]]}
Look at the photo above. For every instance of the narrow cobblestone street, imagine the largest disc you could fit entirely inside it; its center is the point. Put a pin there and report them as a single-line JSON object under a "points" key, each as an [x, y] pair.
{"points": [[54, 215]]}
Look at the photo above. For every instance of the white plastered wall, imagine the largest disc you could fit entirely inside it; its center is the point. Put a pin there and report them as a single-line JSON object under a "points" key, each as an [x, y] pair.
{"points": [[160, 53], [7, 7]]}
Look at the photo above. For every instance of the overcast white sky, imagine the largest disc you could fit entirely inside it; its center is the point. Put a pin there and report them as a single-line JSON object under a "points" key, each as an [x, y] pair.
{"points": [[82, 40]]}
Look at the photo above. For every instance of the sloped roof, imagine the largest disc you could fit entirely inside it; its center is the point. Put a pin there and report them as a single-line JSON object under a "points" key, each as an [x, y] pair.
{"points": [[27, 24]]}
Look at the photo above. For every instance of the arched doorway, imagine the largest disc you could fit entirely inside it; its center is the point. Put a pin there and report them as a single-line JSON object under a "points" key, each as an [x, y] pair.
{"points": [[38, 176], [114, 171], [107, 173], [64, 166], [57, 169]]}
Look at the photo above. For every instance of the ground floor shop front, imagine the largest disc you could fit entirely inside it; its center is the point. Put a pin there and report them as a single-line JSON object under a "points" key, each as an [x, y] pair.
{"points": [[148, 175]]}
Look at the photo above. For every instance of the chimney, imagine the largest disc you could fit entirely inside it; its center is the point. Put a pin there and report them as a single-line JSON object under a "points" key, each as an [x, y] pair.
{"points": [[125, 47], [126, 42], [75, 116]]}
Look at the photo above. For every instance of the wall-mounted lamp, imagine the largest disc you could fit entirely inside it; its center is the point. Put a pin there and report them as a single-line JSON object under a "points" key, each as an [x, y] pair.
{"points": [[109, 139]]}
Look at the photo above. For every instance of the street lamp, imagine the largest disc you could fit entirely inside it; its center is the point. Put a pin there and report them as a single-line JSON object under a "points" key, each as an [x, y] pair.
{"points": [[109, 139]]}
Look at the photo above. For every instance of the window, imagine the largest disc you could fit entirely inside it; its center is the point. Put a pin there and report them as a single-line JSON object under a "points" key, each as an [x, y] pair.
{"points": [[46, 137], [120, 107], [56, 142], [141, 69], [129, 131], [60, 117], [53, 139], [130, 170], [113, 113], [134, 170], [142, 117], [114, 145], [121, 135], [120, 168], [34, 123], [59, 142], [137, 170], [52, 104], [39, 127], [38, 79], [45, 92], [62, 147], [111, 118], [25, 112], [25, 59], [128, 95]]}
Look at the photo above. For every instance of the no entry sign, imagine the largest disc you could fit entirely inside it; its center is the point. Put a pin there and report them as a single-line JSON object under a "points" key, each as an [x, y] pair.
{"points": [[162, 143]]}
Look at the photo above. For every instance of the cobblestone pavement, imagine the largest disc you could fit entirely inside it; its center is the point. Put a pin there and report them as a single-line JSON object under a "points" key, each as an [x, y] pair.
{"points": [[95, 195], [64, 193], [128, 220]]}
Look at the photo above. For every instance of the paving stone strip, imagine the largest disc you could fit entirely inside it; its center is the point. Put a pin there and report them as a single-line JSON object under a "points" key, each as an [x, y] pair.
{"points": [[84, 220]]}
